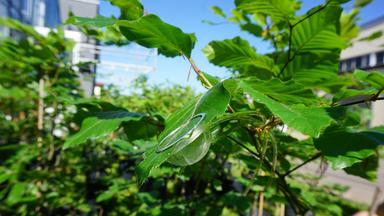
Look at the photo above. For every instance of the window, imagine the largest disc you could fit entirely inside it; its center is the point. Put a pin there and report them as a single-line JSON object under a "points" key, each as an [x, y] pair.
{"points": [[380, 58], [52, 14], [364, 62], [358, 62], [351, 64], [343, 66]]}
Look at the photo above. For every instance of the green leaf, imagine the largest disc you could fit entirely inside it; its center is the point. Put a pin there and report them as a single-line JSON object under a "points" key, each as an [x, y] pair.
{"points": [[236, 53], [4, 175], [375, 78], [217, 10], [151, 32], [347, 96], [367, 168], [319, 33], [17, 192], [212, 79], [15, 93], [231, 86], [212, 104], [100, 124], [108, 194], [236, 200], [338, 1], [27, 29], [122, 146], [278, 10], [141, 129], [99, 21], [348, 27], [343, 147], [310, 121], [129, 9], [362, 3], [372, 36], [314, 71], [254, 29], [151, 160], [286, 92]]}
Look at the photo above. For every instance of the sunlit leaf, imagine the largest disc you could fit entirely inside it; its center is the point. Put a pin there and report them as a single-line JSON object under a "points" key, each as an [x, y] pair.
{"points": [[348, 27], [108, 194], [308, 120], [129, 9], [17, 193], [100, 124], [318, 33], [217, 10], [236, 53], [287, 92], [367, 168], [362, 3], [151, 32], [375, 78], [278, 10], [99, 21], [372, 36], [343, 147]]}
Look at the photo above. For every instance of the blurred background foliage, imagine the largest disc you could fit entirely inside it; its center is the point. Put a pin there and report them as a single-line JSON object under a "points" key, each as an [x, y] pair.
{"points": [[37, 177]]}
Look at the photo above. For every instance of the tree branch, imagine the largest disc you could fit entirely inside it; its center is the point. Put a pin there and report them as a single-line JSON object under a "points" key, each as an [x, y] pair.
{"points": [[204, 79], [322, 7], [289, 50], [305, 162], [290, 59], [363, 101], [244, 146], [199, 73], [296, 203]]}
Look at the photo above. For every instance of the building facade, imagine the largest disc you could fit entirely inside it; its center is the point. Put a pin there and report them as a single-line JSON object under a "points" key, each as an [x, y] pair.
{"points": [[31, 12], [364, 54], [367, 55], [46, 14], [85, 49]]}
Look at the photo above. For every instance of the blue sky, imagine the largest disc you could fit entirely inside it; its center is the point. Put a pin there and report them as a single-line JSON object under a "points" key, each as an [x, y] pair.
{"points": [[188, 15]]}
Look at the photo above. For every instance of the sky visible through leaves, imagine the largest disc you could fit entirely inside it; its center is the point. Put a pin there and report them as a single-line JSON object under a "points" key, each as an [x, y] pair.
{"points": [[189, 15]]}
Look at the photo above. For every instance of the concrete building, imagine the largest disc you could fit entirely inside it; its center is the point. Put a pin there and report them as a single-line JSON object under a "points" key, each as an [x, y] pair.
{"points": [[31, 12], [114, 65], [46, 14], [85, 48], [367, 55]]}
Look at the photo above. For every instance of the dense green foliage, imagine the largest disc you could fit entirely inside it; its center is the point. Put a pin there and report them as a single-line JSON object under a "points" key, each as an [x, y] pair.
{"points": [[162, 150]]}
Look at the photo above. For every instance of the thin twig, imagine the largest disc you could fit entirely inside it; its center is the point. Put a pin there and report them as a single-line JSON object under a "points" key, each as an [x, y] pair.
{"points": [[378, 94], [189, 73], [244, 146], [363, 101], [261, 203], [305, 162], [199, 72], [204, 79], [322, 7], [282, 210], [291, 26], [289, 59], [292, 198]]}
